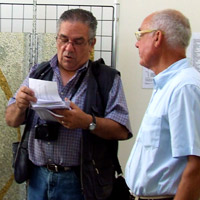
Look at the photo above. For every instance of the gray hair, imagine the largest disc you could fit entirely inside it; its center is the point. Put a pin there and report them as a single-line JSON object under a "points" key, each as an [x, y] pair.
{"points": [[82, 16], [175, 26]]}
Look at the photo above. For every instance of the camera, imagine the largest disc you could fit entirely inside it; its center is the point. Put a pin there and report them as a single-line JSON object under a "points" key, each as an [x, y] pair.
{"points": [[47, 131]]}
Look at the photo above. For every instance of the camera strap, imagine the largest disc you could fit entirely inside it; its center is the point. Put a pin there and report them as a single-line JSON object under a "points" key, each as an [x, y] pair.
{"points": [[76, 87]]}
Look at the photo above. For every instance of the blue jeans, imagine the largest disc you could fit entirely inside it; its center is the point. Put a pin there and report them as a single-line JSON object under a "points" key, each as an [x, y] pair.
{"points": [[47, 185]]}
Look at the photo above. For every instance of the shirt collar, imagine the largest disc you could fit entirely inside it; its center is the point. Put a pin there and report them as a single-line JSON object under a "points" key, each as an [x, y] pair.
{"points": [[163, 77]]}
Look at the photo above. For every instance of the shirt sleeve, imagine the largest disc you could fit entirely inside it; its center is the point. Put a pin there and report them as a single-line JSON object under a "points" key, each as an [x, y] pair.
{"points": [[116, 108], [184, 120]]}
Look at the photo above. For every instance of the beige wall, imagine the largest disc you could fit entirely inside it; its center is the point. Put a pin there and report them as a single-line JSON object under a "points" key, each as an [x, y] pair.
{"points": [[132, 12]]}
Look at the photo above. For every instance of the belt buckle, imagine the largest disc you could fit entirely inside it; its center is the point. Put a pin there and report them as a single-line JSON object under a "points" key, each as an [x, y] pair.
{"points": [[52, 167]]}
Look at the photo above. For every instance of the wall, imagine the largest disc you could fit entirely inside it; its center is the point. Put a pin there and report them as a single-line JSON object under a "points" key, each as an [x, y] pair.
{"points": [[80, 2]]}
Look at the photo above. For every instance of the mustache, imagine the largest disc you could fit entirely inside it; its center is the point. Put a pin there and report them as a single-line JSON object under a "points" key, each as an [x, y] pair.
{"points": [[68, 54]]}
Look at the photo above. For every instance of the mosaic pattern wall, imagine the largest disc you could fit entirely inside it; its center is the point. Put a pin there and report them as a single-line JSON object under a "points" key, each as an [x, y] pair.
{"points": [[46, 46], [14, 59]]}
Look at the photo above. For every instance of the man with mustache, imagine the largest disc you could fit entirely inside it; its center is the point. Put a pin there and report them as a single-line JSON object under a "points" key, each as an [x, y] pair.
{"points": [[78, 163]]}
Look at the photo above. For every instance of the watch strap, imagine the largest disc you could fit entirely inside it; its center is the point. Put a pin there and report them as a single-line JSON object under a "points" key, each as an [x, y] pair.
{"points": [[93, 118]]}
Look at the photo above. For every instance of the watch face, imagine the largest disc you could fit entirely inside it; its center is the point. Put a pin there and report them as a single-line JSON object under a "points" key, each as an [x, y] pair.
{"points": [[92, 126]]}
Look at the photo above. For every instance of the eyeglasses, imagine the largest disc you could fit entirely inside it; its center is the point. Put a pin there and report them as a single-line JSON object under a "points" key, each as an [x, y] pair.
{"points": [[139, 34], [78, 42]]}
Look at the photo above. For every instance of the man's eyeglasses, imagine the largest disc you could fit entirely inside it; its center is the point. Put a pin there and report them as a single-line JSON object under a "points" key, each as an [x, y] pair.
{"points": [[78, 42], [139, 34]]}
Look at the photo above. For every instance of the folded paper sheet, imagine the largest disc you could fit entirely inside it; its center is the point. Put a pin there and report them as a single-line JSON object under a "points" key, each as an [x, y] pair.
{"points": [[48, 99]]}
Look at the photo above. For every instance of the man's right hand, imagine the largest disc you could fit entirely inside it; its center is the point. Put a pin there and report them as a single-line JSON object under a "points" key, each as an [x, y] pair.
{"points": [[15, 113], [23, 98]]}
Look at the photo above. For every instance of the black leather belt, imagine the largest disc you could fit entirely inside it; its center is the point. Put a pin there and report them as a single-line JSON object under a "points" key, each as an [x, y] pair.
{"points": [[57, 168]]}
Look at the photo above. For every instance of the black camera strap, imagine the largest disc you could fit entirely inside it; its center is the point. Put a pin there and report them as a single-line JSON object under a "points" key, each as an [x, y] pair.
{"points": [[76, 87]]}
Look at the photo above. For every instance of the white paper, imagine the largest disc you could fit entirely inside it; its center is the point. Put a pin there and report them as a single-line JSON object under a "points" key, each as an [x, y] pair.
{"points": [[46, 114], [48, 99], [45, 91], [193, 50], [147, 76]]}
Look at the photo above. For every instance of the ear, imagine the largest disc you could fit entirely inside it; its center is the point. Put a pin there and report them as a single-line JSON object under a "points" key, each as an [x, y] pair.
{"points": [[92, 43], [158, 37]]}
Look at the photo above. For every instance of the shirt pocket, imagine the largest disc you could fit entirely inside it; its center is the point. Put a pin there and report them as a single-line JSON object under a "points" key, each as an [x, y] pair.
{"points": [[150, 131]]}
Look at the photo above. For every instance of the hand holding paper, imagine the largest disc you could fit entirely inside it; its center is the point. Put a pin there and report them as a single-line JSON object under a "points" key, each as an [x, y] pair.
{"points": [[48, 98]]}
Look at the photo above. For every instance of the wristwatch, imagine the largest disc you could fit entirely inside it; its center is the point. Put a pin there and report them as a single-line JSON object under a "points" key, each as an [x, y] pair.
{"points": [[92, 125]]}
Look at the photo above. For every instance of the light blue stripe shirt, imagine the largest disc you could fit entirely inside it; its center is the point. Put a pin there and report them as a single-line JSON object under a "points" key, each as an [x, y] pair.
{"points": [[170, 131]]}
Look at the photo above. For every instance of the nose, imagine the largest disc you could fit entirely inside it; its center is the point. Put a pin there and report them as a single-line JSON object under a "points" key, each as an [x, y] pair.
{"points": [[69, 45], [136, 44]]}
